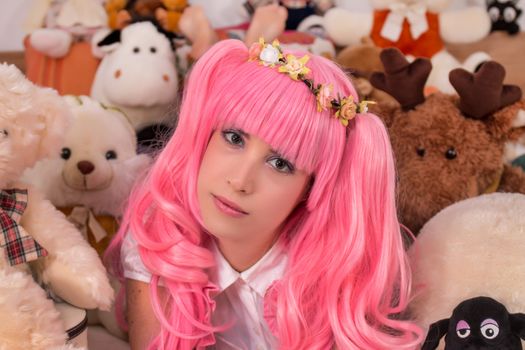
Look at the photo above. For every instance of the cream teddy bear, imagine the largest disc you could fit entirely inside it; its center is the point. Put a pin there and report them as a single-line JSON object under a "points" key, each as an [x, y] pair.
{"points": [[41, 251], [419, 28], [54, 25], [92, 176]]}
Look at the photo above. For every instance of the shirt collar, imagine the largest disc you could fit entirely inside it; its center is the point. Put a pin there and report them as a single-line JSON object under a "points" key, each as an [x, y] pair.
{"points": [[259, 276]]}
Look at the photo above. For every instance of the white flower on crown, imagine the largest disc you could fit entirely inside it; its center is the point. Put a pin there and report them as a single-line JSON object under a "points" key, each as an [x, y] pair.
{"points": [[270, 55]]}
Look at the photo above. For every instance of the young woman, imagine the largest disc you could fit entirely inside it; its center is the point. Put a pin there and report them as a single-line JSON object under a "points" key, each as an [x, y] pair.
{"points": [[268, 221]]}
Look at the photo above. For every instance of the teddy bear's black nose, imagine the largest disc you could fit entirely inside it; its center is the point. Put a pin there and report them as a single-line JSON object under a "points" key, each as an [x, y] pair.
{"points": [[85, 167]]}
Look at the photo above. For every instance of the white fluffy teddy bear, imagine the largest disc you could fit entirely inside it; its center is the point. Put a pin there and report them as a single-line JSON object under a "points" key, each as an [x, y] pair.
{"points": [[92, 176], [471, 248], [54, 25], [39, 247], [419, 28]]}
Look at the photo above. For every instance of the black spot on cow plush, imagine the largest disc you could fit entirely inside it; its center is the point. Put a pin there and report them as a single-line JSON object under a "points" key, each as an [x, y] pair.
{"points": [[479, 323], [504, 15]]}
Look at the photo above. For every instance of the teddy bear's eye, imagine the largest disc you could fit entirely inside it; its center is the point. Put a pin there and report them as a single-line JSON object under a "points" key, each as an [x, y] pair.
{"points": [[136, 49], [111, 155], [420, 151], [451, 153], [65, 153], [153, 49]]}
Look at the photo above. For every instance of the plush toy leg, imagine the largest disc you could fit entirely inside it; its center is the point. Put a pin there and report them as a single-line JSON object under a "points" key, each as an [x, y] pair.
{"points": [[28, 318], [51, 42], [197, 28], [267, 22]]}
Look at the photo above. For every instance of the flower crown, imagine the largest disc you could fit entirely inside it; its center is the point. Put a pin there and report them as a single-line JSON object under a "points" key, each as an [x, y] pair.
{"points": [[271, 55]]}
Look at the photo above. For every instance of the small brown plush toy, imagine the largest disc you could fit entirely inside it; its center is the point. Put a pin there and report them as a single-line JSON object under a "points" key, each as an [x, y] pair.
{"points": [[361, 60], [448, 147]]}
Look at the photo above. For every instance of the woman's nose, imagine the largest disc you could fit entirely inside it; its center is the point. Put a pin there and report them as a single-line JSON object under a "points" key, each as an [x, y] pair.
{"points": [[242, 177]]}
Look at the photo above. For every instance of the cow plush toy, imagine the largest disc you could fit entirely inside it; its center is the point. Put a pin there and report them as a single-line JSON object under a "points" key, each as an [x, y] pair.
{"points": [[138, 75]]}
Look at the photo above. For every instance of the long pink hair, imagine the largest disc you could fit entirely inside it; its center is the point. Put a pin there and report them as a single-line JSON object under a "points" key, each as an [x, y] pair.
{"points": [[347, 278]]}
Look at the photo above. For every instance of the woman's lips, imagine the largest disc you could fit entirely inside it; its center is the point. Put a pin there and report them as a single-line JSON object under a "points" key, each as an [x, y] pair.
{"points": [[228, 207]]}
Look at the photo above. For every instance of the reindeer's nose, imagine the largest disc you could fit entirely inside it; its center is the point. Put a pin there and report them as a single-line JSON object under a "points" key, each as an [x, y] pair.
{"points": [[85, 167]]}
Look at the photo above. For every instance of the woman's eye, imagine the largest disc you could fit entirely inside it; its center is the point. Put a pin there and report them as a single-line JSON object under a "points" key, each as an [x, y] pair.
{"points": [[282, 165], [4, 132], [233, 138]]}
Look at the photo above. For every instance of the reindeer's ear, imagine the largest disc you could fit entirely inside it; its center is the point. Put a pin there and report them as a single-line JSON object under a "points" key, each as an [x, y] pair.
{"points": [[436, 331], [508, 123]]}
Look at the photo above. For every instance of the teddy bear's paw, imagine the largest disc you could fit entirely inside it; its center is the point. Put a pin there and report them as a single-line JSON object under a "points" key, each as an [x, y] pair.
{"points": [[102, 293], [51, 42]]}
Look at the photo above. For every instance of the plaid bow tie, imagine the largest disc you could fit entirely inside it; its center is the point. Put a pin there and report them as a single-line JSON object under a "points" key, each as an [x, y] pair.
{"points": [[19, 246]]}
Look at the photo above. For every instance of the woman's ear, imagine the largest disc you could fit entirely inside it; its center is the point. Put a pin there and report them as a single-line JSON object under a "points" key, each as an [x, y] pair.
{"points": [[436, 331], [517, 324]]}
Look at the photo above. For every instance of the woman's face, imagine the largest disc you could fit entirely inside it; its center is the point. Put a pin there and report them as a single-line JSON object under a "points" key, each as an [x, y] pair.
{"points": [[245, 189]]}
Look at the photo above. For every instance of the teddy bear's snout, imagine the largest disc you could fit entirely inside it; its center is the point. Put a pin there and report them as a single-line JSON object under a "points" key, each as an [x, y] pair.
{"points": [[85, 167]]}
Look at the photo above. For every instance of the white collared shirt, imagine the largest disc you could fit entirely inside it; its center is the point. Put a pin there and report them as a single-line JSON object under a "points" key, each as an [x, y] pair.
{"points": [[240, 298]]}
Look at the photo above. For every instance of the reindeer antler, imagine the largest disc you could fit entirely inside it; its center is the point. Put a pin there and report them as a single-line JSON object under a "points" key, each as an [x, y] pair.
{"points": [[483, 92], [402, 80]]}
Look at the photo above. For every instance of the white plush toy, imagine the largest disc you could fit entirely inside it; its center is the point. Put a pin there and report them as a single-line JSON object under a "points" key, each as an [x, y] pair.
{"points": [[419, 28], [37, 241], [138, 74], [54, 25], [92, 176], [472, 248]]}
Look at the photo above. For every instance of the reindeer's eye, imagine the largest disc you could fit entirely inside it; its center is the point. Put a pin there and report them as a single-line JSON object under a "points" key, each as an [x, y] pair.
{"points": [[136, 49], [66, 153], [421, 151], [451, 153], [153, 49]]}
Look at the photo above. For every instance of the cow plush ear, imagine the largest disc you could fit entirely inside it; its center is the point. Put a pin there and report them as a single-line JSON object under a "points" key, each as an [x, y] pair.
{"points": [[517, 324], [112, 38], [436, 331]]}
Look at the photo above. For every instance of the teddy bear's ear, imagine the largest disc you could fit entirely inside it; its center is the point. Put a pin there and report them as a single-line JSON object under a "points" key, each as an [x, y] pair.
{"points": [[54, 117]]}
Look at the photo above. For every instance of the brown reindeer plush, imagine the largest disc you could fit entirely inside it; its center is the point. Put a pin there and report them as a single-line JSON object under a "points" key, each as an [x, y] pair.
{"points": [[448, 147]]}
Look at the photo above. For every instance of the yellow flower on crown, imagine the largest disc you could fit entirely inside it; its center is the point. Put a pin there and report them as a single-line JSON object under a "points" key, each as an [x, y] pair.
{"points": [[347, 110], [295, 67]]}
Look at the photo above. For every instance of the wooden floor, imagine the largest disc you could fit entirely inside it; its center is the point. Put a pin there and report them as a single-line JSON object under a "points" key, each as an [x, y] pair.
{"points": [[16, 58]]}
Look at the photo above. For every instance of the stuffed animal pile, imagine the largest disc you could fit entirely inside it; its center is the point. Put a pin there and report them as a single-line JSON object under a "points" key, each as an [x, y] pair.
{"points": [[41, 252], [419, 28]]}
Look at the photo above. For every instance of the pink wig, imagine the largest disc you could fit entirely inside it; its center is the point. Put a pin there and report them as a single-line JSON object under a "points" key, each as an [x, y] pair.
{"points": [[347, 274]]}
